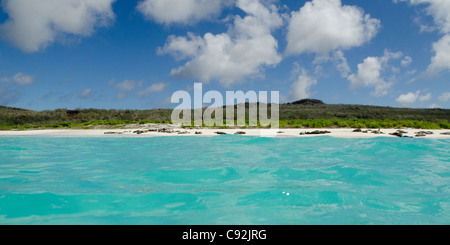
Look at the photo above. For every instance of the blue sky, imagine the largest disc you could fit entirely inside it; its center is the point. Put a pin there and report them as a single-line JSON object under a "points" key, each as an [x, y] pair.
{"points": [[135, 54]]}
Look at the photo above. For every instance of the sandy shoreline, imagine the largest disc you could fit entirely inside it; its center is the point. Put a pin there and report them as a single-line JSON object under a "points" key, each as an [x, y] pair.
{"points": [[155, 130]]}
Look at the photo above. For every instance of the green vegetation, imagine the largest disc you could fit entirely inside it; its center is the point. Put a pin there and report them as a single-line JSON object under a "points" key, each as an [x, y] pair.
{"points": [[361, 123], [87, 125], [16, 118], [299, 114]]}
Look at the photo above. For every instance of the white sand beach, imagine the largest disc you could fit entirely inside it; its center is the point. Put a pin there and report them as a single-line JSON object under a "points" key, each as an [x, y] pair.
{"points": [[155, 130]]}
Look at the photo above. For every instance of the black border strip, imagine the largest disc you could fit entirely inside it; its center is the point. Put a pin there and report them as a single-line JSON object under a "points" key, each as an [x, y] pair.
{"points": [[262, 234]]}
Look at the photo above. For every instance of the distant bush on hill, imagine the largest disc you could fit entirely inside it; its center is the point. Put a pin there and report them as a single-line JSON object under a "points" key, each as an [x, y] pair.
{"points": [[308, 102]]}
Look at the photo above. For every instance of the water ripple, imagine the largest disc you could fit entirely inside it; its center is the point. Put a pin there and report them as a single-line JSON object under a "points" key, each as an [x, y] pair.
{"points": [[224, 180]]}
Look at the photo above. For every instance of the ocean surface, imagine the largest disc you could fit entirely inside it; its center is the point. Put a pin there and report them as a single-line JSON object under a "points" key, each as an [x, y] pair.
{"points": [[230, 179]]}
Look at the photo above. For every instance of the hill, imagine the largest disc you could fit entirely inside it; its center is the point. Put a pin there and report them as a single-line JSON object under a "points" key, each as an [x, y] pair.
{"points": [[297, 114]]}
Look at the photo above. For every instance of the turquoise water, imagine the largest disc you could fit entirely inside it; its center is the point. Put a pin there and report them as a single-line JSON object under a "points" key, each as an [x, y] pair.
{"points": [[227, 179]]}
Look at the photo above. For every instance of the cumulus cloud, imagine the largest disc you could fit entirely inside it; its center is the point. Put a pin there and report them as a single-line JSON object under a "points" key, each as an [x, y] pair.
{"points": [[154, 88], [409, 98], [441, 60], [369, 73], [33, 25], [440, 11], [181, 11], [322, 26], [20, 79], [229, 57], [301, 88]]}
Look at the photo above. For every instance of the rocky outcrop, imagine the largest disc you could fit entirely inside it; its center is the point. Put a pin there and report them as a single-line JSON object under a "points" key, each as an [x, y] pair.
{"points": [[308, 102], [220, 132], [240, 132], [446, 133]]}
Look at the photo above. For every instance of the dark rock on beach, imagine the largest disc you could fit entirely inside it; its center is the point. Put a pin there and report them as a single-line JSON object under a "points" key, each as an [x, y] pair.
{"points": [[165, 130], [240, 132], [113, 133], [220, 133], [377, 131], [423, 133], [400, 133], [446, 133], [140, 131], [316, 132]]}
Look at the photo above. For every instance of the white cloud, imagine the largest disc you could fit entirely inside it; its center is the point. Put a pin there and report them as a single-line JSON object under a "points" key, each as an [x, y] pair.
{"points": [[409, 98], [125, 87], [33, 25], [342, 64], [440, 11], [229, 57], [322, 26], [20, 79], [85, 93], [441, 60], [369, 73], [424, 98], [181, 11], [301, 88], [157, 87], [444, 97]]}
